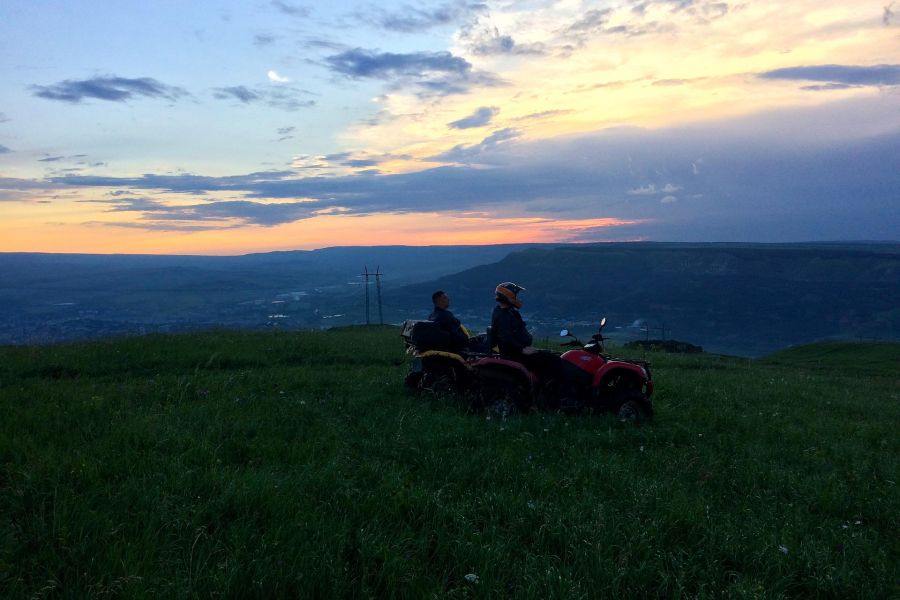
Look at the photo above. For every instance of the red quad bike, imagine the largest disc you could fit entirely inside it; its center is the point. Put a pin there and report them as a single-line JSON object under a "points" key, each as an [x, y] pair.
{"points": [[606, 384], [599, 382]]}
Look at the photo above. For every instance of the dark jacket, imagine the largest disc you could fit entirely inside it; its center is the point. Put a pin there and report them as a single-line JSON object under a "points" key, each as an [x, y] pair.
{"points": [[508, 331], [447, 322]]}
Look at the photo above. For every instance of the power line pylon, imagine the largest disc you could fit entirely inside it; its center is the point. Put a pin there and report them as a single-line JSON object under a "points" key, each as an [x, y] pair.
{"points": [[378, 275], [365, 274]]}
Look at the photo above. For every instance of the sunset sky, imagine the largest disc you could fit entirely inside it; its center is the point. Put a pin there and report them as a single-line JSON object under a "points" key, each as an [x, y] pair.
{"points": [[233, 127]]}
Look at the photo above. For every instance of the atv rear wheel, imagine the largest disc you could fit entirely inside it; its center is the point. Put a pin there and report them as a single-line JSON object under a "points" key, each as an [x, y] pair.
{"points": [[440, 377], [632, 411], [502, 398]]}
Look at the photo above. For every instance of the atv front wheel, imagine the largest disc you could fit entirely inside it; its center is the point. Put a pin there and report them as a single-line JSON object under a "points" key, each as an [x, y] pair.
{"points": [[413, 380]]}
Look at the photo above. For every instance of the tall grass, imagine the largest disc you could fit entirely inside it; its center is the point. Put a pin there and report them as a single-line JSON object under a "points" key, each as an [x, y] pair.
{"points": [[295, 465]]}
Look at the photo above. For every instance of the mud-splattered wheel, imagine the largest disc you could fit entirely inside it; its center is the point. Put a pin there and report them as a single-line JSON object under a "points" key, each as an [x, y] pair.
{"points": [[440, 378], [632, 411]]}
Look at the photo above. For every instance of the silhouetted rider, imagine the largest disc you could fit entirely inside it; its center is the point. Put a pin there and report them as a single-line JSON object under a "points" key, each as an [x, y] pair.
{"points": [[456, 335], [510, 335]]}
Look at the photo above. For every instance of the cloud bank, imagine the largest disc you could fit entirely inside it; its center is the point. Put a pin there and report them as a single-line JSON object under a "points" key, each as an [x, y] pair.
{"points": [[754, 179], [112, 89], [840, 76]]}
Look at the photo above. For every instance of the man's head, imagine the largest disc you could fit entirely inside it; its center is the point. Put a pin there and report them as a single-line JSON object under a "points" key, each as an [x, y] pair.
{"points": [[440, 299]]}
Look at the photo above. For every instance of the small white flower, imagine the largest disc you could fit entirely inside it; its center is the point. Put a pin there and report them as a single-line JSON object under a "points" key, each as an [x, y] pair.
{"points": [[783, 549], [642, 448], [472, 578]]}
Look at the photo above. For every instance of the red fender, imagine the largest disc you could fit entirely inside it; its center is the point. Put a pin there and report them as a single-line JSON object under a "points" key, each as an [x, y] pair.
{"points": [[615, 365], [509, 364]]}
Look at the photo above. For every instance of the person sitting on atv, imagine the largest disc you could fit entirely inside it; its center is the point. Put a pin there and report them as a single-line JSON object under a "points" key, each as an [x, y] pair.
{"points": [[456, 334], [509, 334]]}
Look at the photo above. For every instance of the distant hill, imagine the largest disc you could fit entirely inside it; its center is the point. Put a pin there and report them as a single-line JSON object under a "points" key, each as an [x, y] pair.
{"points": [[738, 298], [746, 299], [53, 297]]}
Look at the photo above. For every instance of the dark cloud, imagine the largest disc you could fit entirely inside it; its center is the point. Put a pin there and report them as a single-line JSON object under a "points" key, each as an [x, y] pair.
{"points": [[114, 89], [462, 153], [286, 130], [187, 183], [675, 5], [435, 73], [4, 149], [238, 92], [595, 23], [486, 40], [359, 63], [283, 97], [291, 9], [130, 204], [847, 75], [417, 20], [357, 160], [591, 22], [25, 190], [320, 44], [825, 87], [3, 118], [146, 225], [481, 117], [888, 15], [362, 162], [261, 40], [59, 158]]}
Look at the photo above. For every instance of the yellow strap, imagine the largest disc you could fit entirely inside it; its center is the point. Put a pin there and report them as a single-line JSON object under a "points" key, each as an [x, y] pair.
{"points": [[442, 354]]}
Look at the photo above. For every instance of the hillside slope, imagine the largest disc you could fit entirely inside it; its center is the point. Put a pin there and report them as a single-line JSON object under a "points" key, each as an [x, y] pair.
{"points": [[744, 299], [294, 465], [56, 297], [853, 357]]}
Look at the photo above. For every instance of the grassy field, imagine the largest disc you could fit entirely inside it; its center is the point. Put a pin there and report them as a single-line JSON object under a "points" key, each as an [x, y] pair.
{"points": [[295, 465]]}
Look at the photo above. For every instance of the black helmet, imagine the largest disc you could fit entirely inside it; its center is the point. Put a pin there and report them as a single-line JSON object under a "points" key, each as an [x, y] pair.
{"points": [[508, 292]]}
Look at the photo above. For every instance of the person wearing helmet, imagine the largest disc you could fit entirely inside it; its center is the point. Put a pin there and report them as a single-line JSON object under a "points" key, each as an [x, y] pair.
{"points": [[457, 336], [508, 331], [509, 334]]}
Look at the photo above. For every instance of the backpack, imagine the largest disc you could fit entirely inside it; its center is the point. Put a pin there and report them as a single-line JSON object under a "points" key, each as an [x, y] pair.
{"points": [[426, 335]]}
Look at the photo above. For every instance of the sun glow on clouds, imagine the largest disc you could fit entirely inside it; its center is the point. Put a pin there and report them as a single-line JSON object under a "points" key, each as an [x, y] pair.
{"points": [[654, 69], [77, 232]]}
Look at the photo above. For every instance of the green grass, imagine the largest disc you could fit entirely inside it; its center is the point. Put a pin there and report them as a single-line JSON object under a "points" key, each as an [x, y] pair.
{"points": [[294, 465]]}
